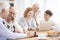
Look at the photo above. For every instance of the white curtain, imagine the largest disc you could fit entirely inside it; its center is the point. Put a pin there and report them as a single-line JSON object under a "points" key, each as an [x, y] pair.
{"points": [[21, 5], [53, 5]]}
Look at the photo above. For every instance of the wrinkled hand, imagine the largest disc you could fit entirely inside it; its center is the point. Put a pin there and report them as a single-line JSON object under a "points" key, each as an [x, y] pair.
{"points": [[30, 33]]}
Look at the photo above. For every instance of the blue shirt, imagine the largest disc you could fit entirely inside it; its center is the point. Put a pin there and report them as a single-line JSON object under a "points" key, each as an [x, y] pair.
{"points": [[6, 34]]}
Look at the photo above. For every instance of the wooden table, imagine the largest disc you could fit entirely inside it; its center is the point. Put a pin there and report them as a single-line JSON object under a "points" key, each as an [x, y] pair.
{"points": [[37, 38]]}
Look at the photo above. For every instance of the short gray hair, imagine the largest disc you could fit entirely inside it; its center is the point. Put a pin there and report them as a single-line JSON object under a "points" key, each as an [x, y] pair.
{"points": [[4, 5]]}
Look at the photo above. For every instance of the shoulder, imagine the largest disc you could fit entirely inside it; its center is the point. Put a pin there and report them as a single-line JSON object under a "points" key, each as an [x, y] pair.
{"points": [[32, 19], [22, 19], [51, 21], [1, 19]]}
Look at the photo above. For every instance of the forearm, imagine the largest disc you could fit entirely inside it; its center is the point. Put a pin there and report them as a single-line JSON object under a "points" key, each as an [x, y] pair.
{"points": [[10, 35], [32, 28]]}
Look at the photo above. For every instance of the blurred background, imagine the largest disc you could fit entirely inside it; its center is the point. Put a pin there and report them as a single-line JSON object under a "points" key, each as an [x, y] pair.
{"points": [[21, 5]]}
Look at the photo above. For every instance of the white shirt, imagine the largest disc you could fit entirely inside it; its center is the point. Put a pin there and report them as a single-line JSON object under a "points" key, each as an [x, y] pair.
{"points": [[46, 25], [57, 28], [26, 24], [6, 34], [17, 26], [37, 17]]}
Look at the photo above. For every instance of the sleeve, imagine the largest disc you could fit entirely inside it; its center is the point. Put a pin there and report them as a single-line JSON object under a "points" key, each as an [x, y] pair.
{"points": [[18, 27], [57, 28], [23, 24], [53, 24], [8, 34]]}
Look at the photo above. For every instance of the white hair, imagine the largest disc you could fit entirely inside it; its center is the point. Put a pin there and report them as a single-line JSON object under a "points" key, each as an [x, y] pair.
{"points": [[4, 5], [36, 4]]}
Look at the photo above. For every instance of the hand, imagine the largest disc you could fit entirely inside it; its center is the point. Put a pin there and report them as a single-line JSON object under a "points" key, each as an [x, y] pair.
{"points": [[30, 33], [17, 31], [33, 28]]}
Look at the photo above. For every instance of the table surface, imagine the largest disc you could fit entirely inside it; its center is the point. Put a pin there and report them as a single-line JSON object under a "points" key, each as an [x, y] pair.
{"points": [[39, 38]]}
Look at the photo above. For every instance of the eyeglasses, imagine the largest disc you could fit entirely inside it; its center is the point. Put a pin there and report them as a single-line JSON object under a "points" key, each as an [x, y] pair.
{"points": [[12, 13]]}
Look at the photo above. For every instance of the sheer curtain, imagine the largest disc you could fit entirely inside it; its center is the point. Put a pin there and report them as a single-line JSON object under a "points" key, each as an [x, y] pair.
{"points": [[53, 5], [21, 5]]}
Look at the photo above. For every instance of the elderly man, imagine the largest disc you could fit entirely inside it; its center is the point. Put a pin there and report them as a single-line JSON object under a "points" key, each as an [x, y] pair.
{"points": [[12, 24], [4, 32]]}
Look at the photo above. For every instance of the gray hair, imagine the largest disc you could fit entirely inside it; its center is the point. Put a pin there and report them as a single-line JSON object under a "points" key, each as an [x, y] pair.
{"points": [[4, 5], [36, 5]]}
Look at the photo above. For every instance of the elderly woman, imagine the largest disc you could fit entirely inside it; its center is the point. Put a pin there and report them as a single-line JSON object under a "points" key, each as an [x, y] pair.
{"points": [[36, 9], [27, 22]]}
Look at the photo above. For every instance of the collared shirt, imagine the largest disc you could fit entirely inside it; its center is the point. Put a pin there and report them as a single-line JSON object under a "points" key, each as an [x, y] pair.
{"points": [[37, 18], [6, 34], [14, 26], [17, 26]]}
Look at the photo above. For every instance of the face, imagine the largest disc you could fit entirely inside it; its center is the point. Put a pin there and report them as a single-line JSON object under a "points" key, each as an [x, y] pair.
{"points": [[11, 16], [12, 13], [46, 16], [30, 14], [5, 13], [36, 8]]}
